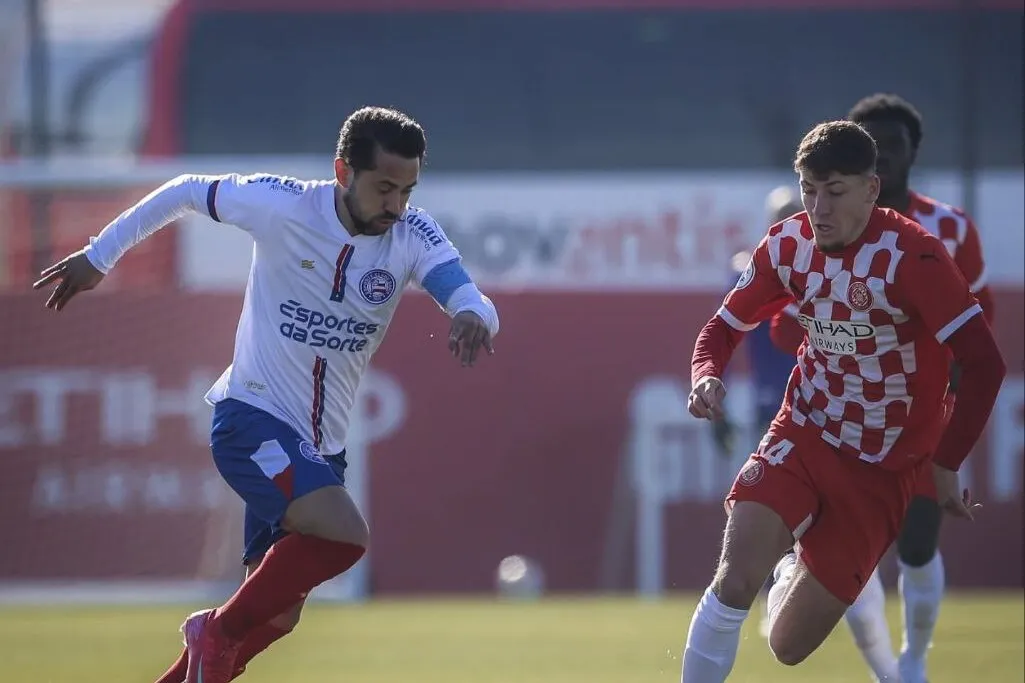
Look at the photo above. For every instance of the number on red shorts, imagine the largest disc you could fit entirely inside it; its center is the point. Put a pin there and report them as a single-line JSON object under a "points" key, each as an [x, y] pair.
{"points": [[779, 451]]}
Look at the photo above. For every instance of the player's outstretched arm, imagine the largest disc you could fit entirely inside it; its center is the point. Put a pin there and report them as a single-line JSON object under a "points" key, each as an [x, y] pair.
{"points": [[758, 295], [438, 268], [474, 316], [83, 270]]}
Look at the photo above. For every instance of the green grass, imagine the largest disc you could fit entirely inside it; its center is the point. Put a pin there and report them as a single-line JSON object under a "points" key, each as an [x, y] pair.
{"points": [[979, 640]]}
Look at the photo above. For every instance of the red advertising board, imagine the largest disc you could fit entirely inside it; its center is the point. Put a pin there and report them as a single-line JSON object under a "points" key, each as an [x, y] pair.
{"points": [[68, 218], [107, 473]]}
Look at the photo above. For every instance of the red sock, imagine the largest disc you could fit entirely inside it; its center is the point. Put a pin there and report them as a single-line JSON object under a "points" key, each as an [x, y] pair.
{"points": [[257, 641], [176, 674], [293, 567]]}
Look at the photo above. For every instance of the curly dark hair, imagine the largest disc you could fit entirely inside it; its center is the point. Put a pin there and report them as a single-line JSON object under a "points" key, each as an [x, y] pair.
{"points": [[372, 128], [889, 107]]}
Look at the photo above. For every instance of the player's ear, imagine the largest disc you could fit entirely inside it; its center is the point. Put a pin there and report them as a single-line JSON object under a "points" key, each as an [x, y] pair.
{"points": [[343, 174], [873, 188]]}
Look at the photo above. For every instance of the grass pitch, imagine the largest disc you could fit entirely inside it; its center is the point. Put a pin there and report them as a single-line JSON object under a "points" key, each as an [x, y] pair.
{"points": [[980, 640]]}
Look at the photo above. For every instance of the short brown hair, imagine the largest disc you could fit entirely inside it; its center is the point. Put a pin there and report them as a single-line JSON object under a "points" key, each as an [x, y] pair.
{"points": [[842, 147], [372, 128]]}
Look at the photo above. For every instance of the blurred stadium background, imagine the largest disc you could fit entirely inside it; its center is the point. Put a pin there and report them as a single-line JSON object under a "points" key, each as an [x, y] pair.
{"points": [[597, 162]]}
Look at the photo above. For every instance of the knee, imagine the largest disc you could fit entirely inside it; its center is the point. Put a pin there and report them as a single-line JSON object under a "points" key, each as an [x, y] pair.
{"points": [[735, 587], [786, 649], [359, 533], [354, 532]]}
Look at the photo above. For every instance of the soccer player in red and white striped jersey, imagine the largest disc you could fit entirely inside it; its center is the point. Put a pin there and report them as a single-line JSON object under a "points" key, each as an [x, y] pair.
{"points": [[896, 127], [885, 308]]}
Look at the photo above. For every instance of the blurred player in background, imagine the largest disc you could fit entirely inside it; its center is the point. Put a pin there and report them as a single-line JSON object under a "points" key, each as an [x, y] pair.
{"points": [[896, 127], [330, 262], [863, 415]]}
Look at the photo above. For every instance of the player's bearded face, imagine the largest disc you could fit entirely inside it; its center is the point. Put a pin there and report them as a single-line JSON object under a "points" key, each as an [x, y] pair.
{"points": [[377, 197], [365, 222], [838, 206]]}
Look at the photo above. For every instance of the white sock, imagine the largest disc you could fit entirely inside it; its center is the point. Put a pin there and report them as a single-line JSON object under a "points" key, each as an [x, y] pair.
{"points": [[782, 575], [867, 620], [712, 641], [922, 589]]}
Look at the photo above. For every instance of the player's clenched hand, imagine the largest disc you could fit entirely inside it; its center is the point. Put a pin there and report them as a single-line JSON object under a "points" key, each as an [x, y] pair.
{"points": [[952, 498], [466, 337], [706, 399], [74, 274]]}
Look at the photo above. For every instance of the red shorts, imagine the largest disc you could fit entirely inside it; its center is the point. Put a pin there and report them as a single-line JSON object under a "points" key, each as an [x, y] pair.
{"points": [[844, 513]]}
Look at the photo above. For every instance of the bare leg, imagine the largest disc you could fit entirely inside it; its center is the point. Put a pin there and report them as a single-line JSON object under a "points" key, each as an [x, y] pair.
{"points": [[755, 537], [802, 613]]}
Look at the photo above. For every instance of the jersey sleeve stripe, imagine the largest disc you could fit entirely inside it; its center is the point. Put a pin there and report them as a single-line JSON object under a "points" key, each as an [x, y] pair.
{"points": [[957, 323], [980, 282], [317, 414], [733, 321], [211, 196]]}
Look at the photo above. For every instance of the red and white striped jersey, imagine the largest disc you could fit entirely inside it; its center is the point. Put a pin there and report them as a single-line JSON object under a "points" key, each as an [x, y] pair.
{"points": [[957, 232], [960, 237], [872, 373]]}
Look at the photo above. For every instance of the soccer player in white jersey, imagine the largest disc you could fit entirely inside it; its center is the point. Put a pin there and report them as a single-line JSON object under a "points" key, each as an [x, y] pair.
{"points": [[330, 262], [864, 414]]}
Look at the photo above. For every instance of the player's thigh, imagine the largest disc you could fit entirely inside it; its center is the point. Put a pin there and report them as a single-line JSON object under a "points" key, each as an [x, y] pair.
{"points": [[755, 538], [770, 504], [327, 511], [807, 614], [330, 513], [260, 535], [282, 478]]}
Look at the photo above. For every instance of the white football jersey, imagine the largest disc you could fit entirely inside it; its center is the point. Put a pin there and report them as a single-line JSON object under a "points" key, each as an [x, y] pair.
{"points": [[318, 301]]}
